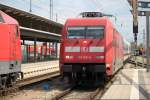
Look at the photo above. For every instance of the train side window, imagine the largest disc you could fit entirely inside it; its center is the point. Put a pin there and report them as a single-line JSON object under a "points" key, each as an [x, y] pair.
{"points": [[17, 31], [1, 19], [76, 32], [115, 43], [95, 32]]}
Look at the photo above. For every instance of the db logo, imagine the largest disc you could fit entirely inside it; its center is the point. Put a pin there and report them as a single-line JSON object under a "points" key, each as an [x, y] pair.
{"points": [[84, 49]]}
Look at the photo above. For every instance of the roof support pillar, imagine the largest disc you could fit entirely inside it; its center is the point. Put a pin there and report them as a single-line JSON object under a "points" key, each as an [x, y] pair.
{"points": [[35, 46], [56, 49], [49, 49]]}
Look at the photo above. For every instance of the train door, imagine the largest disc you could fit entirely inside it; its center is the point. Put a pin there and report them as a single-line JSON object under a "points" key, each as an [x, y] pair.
{"points": [[115, 46], [114, 51], [15, 48], [13, 45], [7, 48], [117, 51]]}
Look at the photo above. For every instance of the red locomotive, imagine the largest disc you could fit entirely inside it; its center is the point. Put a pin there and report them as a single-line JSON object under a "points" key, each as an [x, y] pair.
{"points": [[90, 48], [10, 51]]}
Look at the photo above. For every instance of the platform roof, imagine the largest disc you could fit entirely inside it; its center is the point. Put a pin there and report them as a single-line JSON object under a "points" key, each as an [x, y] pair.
{"points": [[39, 35], [31, 22]]}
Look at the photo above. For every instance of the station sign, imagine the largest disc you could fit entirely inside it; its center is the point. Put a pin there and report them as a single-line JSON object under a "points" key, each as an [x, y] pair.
{"points": [[142, 13], [144, 3], [143, 7]]}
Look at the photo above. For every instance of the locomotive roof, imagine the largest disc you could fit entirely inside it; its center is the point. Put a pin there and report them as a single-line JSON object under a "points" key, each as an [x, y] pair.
{"points": [[7, 19], [90, 21], [87, 21]]}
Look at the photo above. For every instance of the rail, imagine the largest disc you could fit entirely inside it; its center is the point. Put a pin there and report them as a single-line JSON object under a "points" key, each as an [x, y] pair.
{"points": [[96, 94]]}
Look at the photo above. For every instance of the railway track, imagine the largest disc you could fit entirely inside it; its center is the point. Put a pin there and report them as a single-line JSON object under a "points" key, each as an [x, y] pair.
{"points": [[89, 96], [73, 93], [138, 63], [9, 91], [37, 78], [27, 81]]}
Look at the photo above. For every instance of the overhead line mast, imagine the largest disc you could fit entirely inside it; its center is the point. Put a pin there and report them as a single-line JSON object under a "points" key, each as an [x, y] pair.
{"points": [[134, 11], [135, 19], [51, 9]]}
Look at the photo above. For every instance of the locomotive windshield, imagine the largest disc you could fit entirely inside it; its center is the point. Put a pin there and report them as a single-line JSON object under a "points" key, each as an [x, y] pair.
{"points": [[88, 32], [76, 32], [95, 32]]}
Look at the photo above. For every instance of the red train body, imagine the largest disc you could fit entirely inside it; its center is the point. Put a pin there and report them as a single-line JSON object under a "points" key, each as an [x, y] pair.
{"points": [[10, 50], [41, 50], [90, 47]]}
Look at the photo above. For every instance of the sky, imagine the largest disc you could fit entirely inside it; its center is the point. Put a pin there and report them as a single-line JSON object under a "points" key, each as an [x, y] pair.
{"points": [[71, 9]]}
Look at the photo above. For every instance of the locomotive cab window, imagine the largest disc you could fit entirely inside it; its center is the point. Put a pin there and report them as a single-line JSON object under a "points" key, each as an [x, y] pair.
{"points": [[17, 31], [95, 32], [76, 32], [86, 32]]}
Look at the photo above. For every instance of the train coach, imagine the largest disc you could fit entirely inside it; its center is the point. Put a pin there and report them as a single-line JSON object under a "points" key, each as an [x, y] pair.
{"points": [[10, 51], [91, 48]]}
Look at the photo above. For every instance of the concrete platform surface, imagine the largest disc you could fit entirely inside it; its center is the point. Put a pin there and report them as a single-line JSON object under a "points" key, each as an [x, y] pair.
{"points": [[39, 68], [130, 84]]}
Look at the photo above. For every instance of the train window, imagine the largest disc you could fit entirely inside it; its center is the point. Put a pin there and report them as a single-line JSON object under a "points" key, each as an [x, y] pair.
{"points": [[95, 32], [76, 32], [1, 19], [17, 31]]}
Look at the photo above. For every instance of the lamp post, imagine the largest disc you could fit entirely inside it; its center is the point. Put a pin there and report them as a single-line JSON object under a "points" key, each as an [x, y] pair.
{"points": [[30, 10], [51, 9]]}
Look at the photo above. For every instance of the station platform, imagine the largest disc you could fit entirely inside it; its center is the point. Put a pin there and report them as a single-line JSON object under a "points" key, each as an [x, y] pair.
{"points": [[39, 68], [130, 84]]}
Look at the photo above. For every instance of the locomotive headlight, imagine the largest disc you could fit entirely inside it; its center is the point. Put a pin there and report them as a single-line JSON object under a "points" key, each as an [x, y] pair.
{"points": [[107, 65], [70, 57], [67, 57], [99, 57]]}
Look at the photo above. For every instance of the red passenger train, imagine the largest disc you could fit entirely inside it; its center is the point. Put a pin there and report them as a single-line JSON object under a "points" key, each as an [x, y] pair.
{"points": [[91, 48], [10, 51]]}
